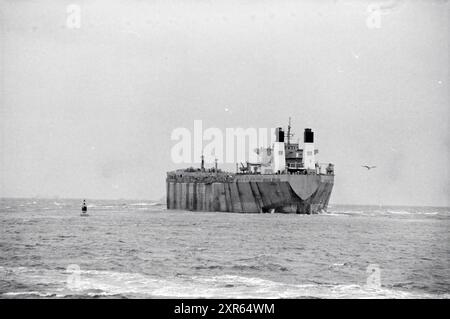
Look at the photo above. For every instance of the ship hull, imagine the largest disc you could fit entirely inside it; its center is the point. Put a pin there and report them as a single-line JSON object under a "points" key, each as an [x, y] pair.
{"points": [[301, 194]]}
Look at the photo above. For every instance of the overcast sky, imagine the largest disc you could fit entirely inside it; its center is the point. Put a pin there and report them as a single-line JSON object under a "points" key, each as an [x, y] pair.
{"points": [[88, 112]]}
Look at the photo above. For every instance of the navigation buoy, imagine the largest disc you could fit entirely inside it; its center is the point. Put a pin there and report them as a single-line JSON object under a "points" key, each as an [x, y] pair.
{"points": [[84, 209]]}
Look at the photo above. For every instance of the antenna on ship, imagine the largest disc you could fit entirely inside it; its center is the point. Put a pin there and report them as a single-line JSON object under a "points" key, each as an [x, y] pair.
{"points": [[289, 135], [203, 163]]}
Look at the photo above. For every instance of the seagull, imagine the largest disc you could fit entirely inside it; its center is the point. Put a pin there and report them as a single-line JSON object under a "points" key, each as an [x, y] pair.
{"points": [[368, 167], [356, 56]]}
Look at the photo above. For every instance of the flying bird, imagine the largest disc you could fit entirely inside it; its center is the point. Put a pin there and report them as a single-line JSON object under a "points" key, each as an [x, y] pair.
{"points": [[368, 167]]}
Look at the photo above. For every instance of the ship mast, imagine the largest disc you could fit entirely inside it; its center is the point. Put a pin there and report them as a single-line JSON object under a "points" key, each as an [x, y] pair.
{"points": [[289, 135]]}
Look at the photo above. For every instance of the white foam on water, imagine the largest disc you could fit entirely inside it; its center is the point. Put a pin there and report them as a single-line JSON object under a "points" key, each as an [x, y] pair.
{"points": [[94, 283], [348, 212], [334, 214], [338, 264], [32, 293], [382, 212], [144, 204], [400, 212]]}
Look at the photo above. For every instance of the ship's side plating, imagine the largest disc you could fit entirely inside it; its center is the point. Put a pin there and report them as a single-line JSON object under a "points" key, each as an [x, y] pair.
{"points": [[250, 194]]}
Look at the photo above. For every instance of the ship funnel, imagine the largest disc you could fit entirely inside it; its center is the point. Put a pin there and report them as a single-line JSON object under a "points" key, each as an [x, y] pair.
{"points": [[279, 135], [309, 158], [279, 155], [308, 136]]}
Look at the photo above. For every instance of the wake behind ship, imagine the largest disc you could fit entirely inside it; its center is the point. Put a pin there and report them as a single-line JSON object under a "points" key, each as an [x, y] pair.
{"points": [[285, 179]]}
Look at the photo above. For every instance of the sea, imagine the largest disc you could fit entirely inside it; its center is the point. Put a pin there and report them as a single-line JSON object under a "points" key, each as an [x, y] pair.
{"points": [[138, 249]]}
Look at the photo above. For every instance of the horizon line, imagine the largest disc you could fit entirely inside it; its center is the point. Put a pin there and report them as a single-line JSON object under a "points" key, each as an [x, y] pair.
{"points": [[156, 200]]}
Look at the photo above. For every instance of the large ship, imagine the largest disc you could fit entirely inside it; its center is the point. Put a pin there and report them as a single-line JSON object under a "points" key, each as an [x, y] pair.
{"points": [[287, 178]]}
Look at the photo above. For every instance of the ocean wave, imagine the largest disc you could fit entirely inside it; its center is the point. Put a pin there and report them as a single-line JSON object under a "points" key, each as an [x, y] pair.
{"points": [[95, 283], [32, 294], [389, 212], [145, 204], [98, 206], [334, 214], [399, 212], [346, 212]]}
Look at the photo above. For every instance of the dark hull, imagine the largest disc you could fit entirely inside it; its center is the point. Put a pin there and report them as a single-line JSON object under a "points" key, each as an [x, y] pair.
{"points": [[301, 194]]}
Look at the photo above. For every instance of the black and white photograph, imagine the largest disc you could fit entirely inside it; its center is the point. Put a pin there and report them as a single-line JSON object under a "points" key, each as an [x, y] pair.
{"points": [[249, 151]]}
